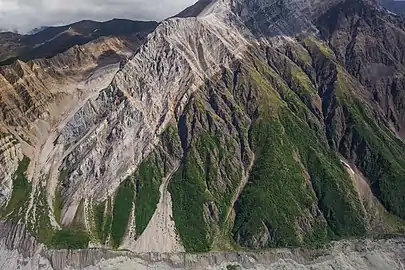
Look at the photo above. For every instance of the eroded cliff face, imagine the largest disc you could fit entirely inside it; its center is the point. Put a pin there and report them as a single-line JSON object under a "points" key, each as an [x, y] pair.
{"points": [[241, 124]]}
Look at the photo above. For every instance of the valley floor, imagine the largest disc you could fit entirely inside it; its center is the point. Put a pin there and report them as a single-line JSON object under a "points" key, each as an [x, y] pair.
{"points": [[353, 254]]}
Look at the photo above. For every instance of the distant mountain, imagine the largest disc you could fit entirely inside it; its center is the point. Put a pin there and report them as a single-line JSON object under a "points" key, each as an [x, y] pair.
{"points": [[37, 30], [395, 6], [50, 41]]}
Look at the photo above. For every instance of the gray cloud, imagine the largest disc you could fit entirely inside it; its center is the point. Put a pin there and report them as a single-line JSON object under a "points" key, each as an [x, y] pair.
{"points": [[24, 15]]}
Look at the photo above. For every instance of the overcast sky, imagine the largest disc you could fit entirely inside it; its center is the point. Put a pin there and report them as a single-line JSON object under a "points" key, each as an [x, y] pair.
{"points": [[24, 15]]}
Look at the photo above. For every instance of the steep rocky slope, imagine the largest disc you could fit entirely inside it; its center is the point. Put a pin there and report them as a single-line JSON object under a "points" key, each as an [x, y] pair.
{"points": [[38, 96], [241, 124]]}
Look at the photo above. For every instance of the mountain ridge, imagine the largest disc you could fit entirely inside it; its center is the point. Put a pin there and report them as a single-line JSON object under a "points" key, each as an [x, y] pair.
{"points": [[256, 129], [53, 40], [397, 7]]}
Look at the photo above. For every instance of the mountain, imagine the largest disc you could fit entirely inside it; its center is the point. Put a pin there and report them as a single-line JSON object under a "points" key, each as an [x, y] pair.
{"points": [[49, 41], [395, 6], [236, 125], [37, 30], [194, 10]]}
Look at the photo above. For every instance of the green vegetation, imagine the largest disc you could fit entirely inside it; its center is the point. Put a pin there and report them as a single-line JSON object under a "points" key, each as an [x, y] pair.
{"points": [[102, 220], [325, 50], [147, 192], [298, 193], [121, 211], [302, 55], [45, 233], [382, 159], [69, 239], [63, 175], [58, 204], [99, 221], [233, 267], [337, 197], [187, 189], [150, 174], [147, 183], [196, 183], [380, 154], [301, 83], [334, 189], [294, 172], [269, 97], [293, 175], [42, 228], [107, 220], [21, 191], [277, 193]]}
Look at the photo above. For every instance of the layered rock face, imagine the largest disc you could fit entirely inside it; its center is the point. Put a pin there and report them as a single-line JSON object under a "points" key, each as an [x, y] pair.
{"points": [[239, 124]]}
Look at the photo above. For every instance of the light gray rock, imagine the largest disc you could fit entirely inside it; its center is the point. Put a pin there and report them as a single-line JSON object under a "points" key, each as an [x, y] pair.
{"points": [[10, 155], [355, 254], [111, 134]]}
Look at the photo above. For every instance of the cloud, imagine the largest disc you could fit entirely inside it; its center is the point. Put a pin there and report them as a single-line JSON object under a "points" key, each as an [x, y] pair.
{"points": [[24, 15]]}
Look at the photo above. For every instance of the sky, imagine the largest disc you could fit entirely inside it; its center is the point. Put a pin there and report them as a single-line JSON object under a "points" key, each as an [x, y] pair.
{"points": [[25, 15]]}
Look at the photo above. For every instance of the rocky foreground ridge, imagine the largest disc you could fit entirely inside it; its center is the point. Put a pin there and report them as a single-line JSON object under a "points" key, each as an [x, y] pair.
{"points": [[236, 125], [354, 254]]}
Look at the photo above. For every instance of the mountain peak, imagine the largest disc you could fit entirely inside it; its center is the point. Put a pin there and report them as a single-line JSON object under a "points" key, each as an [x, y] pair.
{"points": [[264, 17], [196, 9]]}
